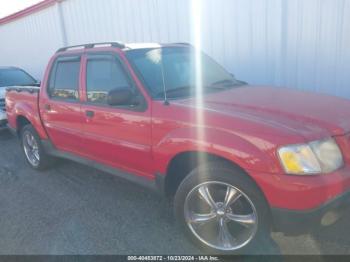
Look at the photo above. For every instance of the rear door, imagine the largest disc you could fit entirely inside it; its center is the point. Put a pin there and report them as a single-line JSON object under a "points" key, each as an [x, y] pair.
{"points": [[118, 136], [61, 108]]}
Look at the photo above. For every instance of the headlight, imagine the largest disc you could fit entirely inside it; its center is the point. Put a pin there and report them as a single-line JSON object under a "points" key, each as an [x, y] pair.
{"points": [[313, 158]]}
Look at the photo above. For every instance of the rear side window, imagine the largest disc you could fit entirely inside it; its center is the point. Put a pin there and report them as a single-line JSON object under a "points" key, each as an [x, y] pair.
{"points": [[64, 79], [104, 73]]}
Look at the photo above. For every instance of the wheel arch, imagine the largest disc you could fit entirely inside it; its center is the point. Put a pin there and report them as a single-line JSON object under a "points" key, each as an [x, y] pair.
{"points": [[182, 163], [21, 121], [26, 114]]}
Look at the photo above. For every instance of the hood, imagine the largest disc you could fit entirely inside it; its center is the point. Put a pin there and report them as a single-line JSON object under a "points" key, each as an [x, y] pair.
{"points": [[310, 115]]}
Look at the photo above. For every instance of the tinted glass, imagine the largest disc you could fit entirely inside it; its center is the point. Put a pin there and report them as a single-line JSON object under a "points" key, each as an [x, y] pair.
{"points": [[15, 77], [104, 73], [175, 68], [64, 83]]}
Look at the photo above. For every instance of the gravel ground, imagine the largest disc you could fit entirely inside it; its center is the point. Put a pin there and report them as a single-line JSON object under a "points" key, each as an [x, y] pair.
{"points": [[73, 209]]}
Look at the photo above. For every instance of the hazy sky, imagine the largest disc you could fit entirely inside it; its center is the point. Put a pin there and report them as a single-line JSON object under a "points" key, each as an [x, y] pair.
{"points": [[8, 7]]}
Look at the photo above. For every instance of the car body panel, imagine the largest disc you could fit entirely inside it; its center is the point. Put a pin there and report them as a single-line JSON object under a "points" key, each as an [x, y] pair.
{"points": [[285, 110], [243, 125], [302, 192], [24, 104]]}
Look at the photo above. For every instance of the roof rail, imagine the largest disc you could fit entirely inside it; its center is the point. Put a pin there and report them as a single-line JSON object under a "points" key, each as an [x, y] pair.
{"points": [[92, 45], [183, 43]]}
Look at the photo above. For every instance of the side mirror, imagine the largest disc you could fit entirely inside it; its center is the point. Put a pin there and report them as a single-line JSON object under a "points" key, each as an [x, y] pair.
{"points": [[120, 97]]}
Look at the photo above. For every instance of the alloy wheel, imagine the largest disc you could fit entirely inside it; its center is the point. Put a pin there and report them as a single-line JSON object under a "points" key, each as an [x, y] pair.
{"points": [[221, 216], [31, 148]]}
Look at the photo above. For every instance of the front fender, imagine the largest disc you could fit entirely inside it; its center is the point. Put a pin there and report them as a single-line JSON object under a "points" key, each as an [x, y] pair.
{"points": [[257, 156]]}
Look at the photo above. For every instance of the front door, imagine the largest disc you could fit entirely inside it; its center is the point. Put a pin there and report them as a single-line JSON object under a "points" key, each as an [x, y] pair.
{"points": [[118, 136]]}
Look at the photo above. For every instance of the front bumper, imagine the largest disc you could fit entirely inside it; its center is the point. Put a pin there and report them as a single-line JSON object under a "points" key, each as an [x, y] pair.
{"points": [[292, 222], [301, 203]]}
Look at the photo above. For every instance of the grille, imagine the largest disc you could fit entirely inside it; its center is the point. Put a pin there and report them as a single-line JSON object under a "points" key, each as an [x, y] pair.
{"points": [[2, 104]]}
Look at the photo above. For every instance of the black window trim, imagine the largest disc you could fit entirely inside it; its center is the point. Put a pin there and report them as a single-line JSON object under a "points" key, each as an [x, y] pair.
{"points": [[140, 108], [64, 58]]}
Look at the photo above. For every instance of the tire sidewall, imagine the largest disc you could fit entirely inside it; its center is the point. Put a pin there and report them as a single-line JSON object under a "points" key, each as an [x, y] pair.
{"points": [[223, 173]]}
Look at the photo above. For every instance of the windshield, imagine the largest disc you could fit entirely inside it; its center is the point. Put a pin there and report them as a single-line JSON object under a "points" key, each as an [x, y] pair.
{"points": [[174, 67], [15, 77]]}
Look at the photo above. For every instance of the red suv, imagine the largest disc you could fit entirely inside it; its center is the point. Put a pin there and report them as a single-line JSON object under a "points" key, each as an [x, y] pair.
{"points": [[239, 160]]}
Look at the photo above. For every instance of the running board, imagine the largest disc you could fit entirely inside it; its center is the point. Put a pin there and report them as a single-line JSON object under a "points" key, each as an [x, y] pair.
{"points": [[156, 185]]}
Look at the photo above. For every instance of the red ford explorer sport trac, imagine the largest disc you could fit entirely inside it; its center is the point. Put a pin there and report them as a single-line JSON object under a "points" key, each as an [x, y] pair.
{"points": [[239, 161]]}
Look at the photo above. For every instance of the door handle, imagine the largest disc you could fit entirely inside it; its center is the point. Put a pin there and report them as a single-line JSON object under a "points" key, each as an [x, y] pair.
{"points": [[47, 107], [89, 113]]}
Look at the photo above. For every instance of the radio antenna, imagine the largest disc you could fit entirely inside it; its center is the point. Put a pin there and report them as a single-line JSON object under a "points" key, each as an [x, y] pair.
{"points": [[166, 101]]}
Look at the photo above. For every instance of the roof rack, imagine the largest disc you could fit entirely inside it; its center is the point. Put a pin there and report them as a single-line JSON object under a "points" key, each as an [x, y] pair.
{"points": [[183, 43], [92, 45]]}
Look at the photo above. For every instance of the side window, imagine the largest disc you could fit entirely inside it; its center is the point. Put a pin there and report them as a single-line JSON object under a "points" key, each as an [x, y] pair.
{"points": [[104, 73], [64, 79]]}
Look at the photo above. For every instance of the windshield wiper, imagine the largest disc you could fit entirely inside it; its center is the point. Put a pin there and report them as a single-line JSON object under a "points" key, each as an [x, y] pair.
{"points": [[26, 85], [175, 90], [223, 83]]}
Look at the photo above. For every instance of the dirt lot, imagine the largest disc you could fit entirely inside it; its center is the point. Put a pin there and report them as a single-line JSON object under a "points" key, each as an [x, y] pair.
{"points": [[73, 209]]}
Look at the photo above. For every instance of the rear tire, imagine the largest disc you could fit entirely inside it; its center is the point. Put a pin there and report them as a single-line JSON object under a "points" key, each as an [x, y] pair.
{"points": [[223, 212], [33, 150]]}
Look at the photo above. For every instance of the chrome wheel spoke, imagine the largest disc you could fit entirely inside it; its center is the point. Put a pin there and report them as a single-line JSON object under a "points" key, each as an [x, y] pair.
{"points": [[244, 220], [205, 194], [29, 140], [232, 195], [225, 238], [201, 218], [31, 149], [36, 154], [32, 141]]}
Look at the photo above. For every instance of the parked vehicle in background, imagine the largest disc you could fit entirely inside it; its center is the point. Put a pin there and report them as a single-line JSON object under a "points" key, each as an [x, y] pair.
{"points": [[239, 161], [12, 76]]}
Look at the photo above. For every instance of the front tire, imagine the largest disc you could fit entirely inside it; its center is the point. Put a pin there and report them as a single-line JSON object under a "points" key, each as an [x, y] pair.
{"points": [[33, 150], [221, 210]]}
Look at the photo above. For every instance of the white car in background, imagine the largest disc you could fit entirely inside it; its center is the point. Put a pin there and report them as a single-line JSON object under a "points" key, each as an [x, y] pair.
{"points": [[2, 107], [12, 76]]}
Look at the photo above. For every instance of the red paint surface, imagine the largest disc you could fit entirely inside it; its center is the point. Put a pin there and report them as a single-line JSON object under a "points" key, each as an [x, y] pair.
{"points": [[244, 125]]}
